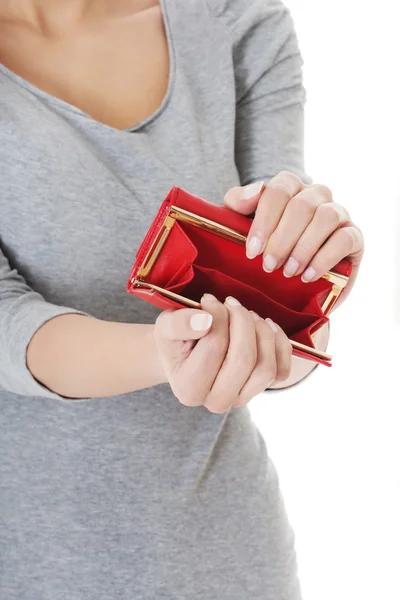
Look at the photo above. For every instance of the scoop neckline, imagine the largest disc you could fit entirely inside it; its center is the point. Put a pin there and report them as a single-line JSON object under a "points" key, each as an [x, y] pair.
{"points": [[72, 108]]}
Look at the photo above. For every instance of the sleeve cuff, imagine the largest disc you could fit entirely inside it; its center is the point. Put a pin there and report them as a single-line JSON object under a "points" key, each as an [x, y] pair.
{"points": [[30, 316]]}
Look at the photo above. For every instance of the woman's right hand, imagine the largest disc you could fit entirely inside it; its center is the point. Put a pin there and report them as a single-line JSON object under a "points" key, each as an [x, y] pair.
{"points": [[220, 356]]}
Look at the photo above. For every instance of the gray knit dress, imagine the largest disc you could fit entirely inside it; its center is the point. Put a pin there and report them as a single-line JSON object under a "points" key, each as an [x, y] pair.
{"points": [[137, 497]]}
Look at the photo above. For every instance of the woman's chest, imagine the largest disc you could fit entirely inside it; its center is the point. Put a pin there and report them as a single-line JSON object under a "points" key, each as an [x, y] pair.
{"points": [[116, 70]]}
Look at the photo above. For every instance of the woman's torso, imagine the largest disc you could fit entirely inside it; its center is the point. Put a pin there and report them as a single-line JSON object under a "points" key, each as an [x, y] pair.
{"points": [[108, 497], [92, 190]]}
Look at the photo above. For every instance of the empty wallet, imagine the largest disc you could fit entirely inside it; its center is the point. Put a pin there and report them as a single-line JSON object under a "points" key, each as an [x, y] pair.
{"points": [[194, 246]]}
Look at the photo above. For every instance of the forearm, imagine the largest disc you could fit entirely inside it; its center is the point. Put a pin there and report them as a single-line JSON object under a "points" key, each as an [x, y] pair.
{"points": [[79, 357], [300, 367]]}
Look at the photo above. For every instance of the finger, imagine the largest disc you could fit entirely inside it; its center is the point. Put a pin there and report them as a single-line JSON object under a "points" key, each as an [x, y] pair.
{"points": [[264, 373], [298, 214], [283, 352], [327, 218], [344, 242], [244, 200], [202, 365], [240, 360], [278, 192], [182, 324]]}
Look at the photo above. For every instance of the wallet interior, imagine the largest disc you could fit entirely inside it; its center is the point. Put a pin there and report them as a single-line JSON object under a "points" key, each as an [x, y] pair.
{"points": [[210, 263]]}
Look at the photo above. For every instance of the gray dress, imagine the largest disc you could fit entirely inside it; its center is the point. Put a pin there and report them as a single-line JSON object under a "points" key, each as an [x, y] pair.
{"points": [[137, 497]]}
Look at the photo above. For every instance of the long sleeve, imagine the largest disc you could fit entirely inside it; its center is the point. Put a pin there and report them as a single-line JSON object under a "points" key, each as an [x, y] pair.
{"points": [[22, 313], [270, 96]]}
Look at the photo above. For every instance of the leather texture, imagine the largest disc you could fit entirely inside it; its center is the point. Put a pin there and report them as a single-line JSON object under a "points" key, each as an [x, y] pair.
{"points": [[194, 261]]}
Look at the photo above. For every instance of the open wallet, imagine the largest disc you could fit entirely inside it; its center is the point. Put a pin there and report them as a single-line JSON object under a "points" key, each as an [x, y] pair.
{"points": [[194, 246]]}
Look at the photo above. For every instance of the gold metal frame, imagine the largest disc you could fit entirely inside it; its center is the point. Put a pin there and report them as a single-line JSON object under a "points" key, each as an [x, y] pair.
{"points": [[179, 214]]}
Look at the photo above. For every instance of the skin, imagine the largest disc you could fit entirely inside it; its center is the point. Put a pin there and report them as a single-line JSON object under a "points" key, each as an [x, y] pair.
{"points": [[234, 354]]}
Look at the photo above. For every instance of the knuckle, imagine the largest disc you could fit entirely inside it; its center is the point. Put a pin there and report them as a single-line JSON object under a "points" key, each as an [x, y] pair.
{"points": [[329, 214], [304, 203], [324, 190], [182, 393], [215, 406], [356, 233], [360, 236], [286, 183], [290, 178], [183, 400], [281, 188], [188, 399], [347, 239], [345, 219], [284, 371]]}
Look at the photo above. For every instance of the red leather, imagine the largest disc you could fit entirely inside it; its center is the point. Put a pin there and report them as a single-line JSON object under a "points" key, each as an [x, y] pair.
{"points": [[193, 261]]}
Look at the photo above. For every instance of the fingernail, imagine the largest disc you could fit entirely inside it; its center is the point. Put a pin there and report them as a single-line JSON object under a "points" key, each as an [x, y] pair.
{"points": [[270, 263], [208, 297], [200, 321], [255, 316], [232, 301], [308, 274], [291, 267], [254, 247], [251, 190], [272, 325]]}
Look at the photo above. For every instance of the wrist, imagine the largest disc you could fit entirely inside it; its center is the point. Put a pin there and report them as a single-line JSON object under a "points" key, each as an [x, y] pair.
{"points": [[155, 358]]}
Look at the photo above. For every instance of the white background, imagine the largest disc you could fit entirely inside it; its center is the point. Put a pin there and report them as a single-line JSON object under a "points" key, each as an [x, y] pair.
{"points": [[335, 439]]}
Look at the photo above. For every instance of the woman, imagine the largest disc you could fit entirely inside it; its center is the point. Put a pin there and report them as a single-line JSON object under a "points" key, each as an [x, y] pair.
{"points": [[130, 466]]}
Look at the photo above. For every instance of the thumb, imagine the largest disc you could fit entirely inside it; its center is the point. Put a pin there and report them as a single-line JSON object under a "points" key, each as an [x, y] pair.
{"points": [[183, 324], [245, 199]]}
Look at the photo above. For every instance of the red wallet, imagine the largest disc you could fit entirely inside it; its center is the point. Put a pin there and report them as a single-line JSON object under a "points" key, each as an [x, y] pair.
{"points": [[194, 246]]}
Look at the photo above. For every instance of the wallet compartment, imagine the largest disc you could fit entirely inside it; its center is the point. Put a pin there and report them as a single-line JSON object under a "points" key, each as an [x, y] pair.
{"points": [[229, 257], [221, 285]]}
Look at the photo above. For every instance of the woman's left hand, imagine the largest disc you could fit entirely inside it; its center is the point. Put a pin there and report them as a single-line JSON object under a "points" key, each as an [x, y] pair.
{"points": [[298, 226]]}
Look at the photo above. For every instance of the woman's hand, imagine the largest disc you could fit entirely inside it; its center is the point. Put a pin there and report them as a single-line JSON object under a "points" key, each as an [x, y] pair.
{"points": [[298, 226], [237, 356]]}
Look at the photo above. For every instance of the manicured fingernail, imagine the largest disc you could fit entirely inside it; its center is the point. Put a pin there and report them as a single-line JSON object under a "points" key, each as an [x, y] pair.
{"points": [[254, 247], [208, 297], [232, 301], [272, 325], [270, 263], [255, 316], [201, 321], [291, 267], [308, 274], [251, 190]]}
